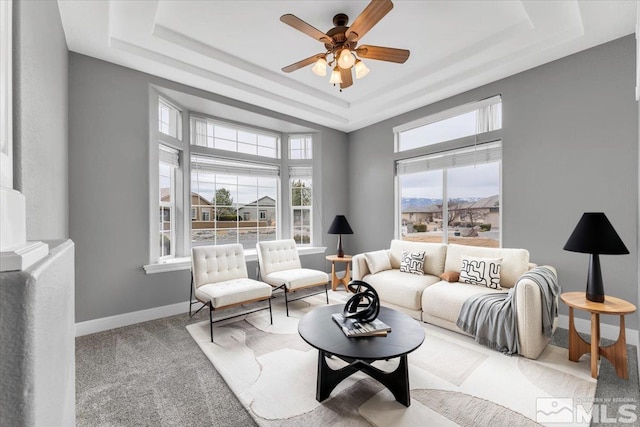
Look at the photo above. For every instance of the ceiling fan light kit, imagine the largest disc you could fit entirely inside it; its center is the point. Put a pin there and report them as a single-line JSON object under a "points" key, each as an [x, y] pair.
{"points": [[336, 78], [341, 41], [320, 67], [361, 69], [346, 59]]}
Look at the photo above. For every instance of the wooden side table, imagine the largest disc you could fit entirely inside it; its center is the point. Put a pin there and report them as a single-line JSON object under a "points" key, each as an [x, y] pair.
{"points": [[615, 353], [335, 280]]}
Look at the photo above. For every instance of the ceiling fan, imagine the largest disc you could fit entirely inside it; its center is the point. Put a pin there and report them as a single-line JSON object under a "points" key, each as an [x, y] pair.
{"points": [[341, 43]]}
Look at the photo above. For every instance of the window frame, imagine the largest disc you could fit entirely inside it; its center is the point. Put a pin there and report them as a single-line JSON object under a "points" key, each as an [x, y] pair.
{"points": [[238, 167], [183, 198], [257, 131], [442, 116], [180, 217], [172, 109], [171, 206], [465, 142]]}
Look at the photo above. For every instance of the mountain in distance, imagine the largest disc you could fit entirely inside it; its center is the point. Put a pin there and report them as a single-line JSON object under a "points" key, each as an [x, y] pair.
{"points": [[423, 202]]}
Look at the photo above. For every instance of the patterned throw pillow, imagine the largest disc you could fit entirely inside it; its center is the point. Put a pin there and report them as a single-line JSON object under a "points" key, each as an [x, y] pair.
{"points": [[412, 262], [481, 271]]}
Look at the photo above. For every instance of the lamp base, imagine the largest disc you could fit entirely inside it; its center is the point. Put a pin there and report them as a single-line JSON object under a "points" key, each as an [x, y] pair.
{"points": [[595, 288], [340, 251], [595, 298]]}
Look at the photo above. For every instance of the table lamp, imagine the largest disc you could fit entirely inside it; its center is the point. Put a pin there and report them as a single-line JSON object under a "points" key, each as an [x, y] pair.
{"points": [[340, 226], [595, 235]]}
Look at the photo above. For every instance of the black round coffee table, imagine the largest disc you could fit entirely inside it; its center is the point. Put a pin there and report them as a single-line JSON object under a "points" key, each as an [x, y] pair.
{"points": [[320, 331]]}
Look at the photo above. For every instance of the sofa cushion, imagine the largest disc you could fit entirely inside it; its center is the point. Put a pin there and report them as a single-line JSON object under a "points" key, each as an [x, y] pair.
{"points": [[481, 271], [378, 261], [235, 291], [444, 300], [297, 278], [399, 288], [434, 255], [412, 262], [515, 262]]}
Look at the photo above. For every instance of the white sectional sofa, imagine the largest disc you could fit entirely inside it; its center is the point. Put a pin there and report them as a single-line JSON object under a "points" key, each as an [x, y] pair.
{"points": [[433, 300]]}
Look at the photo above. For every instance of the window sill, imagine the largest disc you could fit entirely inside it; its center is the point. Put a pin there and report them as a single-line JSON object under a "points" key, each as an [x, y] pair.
{"points": [[184, 263]]}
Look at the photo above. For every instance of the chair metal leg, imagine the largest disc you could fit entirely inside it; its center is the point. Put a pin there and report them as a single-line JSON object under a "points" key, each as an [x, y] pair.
{"points": [[191, 294], [211, 319], [326, 292], [286, 301], [270, 312]]}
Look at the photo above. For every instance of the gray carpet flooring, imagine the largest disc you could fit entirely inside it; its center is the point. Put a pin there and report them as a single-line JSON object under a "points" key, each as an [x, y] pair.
{"points": [[154, 374]]}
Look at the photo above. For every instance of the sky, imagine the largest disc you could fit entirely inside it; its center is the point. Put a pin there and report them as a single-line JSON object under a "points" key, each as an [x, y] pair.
{"points": [[464, 182]]}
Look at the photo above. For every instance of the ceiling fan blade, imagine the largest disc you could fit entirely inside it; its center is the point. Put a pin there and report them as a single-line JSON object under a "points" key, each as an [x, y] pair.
{"points": [[300, 64], [347, 78], [383, 53], [370, 16], [302, 26]]}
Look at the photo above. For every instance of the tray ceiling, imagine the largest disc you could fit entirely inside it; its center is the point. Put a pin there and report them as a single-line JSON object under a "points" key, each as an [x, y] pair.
{"points": [[237, 48]]}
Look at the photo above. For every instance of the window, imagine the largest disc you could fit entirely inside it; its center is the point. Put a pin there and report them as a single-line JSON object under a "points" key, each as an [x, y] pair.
{"points": [[167, 223], [222, 136], [229, 188], [206, 214], [300, 147], [452, 197], [459, 122], [301, 203], [169, 119], [194, 213]]}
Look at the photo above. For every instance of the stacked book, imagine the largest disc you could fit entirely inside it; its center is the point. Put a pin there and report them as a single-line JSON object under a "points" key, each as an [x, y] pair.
{"points": [[354, 328]]}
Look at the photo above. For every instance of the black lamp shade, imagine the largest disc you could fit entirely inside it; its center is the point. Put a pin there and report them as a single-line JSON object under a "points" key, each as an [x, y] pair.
{"points": [[594, 234], [340, 225]]}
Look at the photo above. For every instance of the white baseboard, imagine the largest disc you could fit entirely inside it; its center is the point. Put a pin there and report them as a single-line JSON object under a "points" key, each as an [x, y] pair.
{"points": [[126, 319], [606, 330]]}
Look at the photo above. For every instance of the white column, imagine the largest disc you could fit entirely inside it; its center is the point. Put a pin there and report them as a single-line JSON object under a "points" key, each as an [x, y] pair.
{"points": [[15, 252]]}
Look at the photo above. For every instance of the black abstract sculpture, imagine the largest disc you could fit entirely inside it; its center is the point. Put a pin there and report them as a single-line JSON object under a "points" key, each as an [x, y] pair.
{"points": [[364, 305]]}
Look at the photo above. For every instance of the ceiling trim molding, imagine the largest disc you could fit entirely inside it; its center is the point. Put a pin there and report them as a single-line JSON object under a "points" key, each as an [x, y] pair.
{"points": [[198, 47], [133, 49]]}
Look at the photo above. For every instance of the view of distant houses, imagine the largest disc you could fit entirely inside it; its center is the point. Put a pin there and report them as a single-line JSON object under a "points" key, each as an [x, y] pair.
{"points": [[205, 215], [485, 211]]}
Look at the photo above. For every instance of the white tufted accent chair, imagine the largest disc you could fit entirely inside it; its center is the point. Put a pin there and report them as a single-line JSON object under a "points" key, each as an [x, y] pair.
{"points": [[219, 280], [280, 267]]}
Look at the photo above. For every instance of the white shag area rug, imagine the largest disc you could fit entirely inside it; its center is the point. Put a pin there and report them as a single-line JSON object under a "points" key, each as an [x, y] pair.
{"points": [[453, 380]]}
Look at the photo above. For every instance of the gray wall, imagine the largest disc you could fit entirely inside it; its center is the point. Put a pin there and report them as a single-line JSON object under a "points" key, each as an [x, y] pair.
{"points": [[40, 111], [109, 186], [570, 145]]}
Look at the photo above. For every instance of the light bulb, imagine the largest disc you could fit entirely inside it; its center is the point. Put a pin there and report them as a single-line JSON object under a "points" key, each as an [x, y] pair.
{"points": [[320, 68], [335, 76], [346, 59], [361, 69]]}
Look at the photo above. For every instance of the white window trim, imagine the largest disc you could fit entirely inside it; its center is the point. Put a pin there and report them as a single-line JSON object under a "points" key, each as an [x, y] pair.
{"points": [[447, 114], [467, 153], [180, 218], [242, 128], [308, 138], [171, 105], [302, 170], [172, 218]]}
